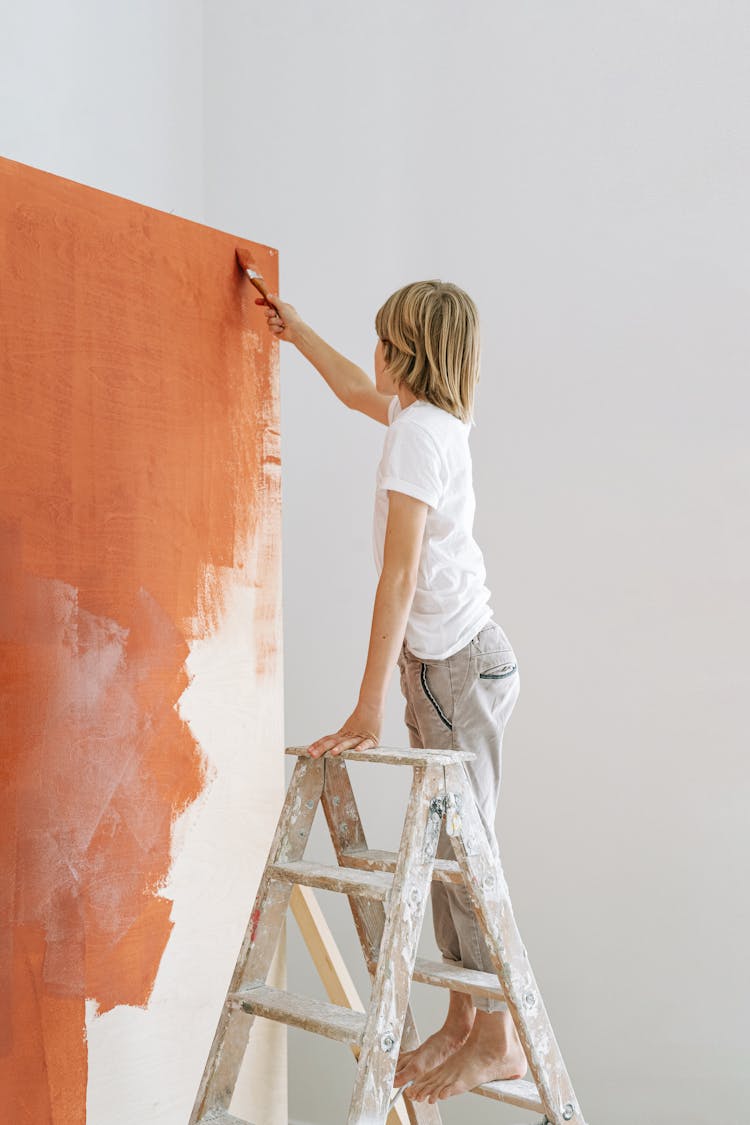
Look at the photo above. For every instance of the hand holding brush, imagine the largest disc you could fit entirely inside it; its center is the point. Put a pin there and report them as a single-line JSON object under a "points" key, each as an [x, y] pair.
{"points": [[283, 319]]}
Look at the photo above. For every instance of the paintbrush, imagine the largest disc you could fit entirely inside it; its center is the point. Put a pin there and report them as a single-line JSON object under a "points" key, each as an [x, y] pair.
{"points": [[246, 262]]}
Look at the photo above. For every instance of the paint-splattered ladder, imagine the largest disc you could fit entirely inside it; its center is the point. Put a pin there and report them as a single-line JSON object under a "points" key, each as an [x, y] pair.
{"points": [[388, 894]]}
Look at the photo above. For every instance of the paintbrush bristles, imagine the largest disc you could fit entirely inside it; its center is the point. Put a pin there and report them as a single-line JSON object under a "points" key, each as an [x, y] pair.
{"points": [[246, 263], [245, 260]]}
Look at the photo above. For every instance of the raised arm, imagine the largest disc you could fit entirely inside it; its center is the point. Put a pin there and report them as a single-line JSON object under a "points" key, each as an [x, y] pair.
{"points": [[348, 382]]}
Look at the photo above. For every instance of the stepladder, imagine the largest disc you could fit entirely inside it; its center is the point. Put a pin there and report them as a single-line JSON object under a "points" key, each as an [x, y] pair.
{"points": [[387, 893]]}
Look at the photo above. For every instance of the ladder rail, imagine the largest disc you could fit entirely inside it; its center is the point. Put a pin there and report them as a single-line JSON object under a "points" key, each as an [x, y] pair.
{"points": [[347, 832], [260, 940], [488, 890], [390, 989], [332, 969]]}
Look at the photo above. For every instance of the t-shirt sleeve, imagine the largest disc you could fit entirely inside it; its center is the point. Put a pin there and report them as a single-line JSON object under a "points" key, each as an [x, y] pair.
{"points": [[412, 464], [392, 407]]}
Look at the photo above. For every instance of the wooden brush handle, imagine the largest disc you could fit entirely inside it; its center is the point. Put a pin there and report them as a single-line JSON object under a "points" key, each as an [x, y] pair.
{"points": [[260, 285], [247, 265]]}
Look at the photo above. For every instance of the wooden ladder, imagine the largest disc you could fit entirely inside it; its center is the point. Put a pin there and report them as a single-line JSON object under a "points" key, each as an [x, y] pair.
{"points": [[388, 895]]}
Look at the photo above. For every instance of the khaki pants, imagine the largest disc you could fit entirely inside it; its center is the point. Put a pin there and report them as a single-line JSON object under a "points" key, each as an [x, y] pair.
{"points": [[464, 703]]}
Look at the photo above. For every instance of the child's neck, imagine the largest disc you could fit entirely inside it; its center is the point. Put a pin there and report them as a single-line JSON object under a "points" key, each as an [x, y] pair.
{"points": [[406, 397]]}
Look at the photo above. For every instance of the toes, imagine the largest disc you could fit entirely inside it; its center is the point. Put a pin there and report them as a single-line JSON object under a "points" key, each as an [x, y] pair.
{"points": [[424, 1091], [403, 1069], [415, 1091], [431, 1087], [450, 1090]]}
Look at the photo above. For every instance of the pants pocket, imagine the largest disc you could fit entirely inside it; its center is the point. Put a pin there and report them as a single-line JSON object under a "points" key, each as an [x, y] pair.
{"points": [[429, 692], [500, 670]]}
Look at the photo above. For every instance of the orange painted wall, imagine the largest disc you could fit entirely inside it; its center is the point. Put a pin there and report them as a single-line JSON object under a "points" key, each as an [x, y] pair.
{"points": [[138, 454]]}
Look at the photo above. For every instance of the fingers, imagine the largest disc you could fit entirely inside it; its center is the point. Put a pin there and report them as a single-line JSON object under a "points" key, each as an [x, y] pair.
{"points": [[342, 741], [273, 318], [273, 303], [333, 744], [359, 742]]}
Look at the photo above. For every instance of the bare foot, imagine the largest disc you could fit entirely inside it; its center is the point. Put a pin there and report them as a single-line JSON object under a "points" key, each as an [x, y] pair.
{"points": [[439, 1046], [491, 1051]]}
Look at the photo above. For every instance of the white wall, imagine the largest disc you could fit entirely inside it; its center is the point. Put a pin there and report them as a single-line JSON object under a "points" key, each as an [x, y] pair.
{"points": [[108, 95], [582, 169]]}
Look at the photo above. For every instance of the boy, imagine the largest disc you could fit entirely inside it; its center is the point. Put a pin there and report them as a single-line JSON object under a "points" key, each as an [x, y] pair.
{"points": [[459, 674]]}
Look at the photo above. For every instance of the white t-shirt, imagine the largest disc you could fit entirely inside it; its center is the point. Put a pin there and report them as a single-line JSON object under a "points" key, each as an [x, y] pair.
{"points": [[426, 454]]}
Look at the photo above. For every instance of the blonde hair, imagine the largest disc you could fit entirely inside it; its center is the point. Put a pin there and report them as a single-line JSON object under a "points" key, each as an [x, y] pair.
{"points": [[430, 336]]}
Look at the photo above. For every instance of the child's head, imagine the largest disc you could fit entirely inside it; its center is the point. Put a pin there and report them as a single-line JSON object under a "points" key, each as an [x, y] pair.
{"points": [[430, 337]]}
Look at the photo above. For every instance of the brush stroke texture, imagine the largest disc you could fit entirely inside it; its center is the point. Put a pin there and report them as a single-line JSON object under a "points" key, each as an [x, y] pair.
{"points": [[139, 458]]}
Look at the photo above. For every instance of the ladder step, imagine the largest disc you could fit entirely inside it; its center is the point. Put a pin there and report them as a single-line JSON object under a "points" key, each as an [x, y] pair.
{"points": [[369, 884], [331, 1020], [372, 859], [516, 1091], [396, 756], [458, 979], [347, 1026], [221, 1117]]}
